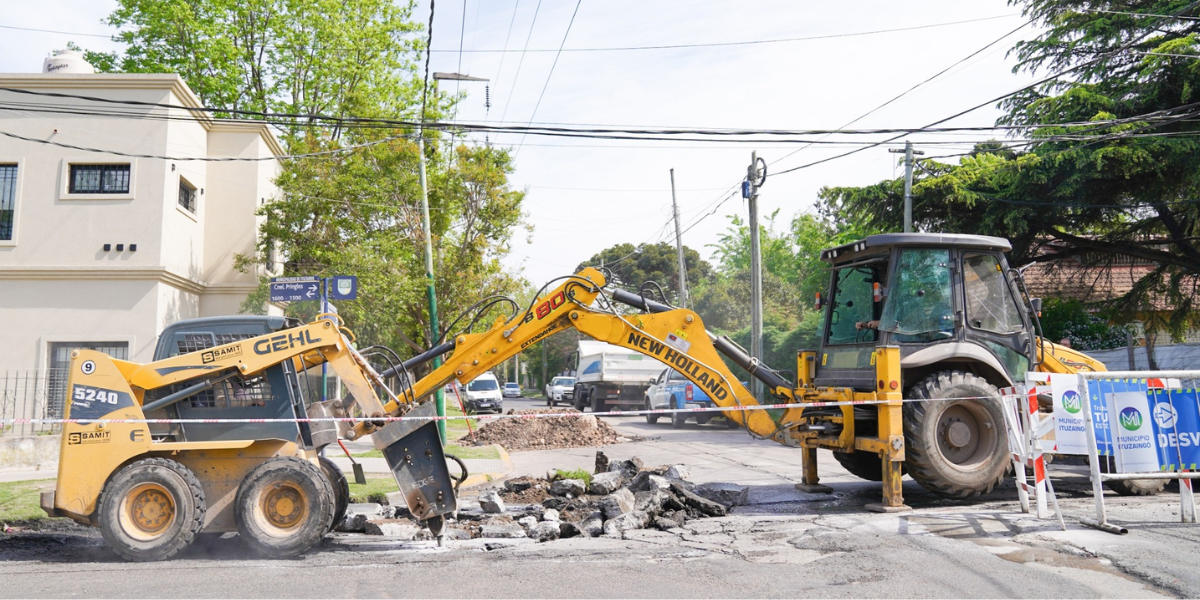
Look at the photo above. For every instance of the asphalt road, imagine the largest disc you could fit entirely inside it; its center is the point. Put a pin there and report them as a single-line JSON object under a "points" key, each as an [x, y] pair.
{"points": [[784, 544]]}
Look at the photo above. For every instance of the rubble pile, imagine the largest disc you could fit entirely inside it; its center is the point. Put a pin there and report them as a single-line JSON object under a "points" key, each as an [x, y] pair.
{"points": [[544, 433], [625, 496], [622, 495]]}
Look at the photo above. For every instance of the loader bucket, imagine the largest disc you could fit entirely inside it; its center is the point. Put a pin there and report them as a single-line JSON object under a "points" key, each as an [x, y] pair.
{"points": [[413, 450]]}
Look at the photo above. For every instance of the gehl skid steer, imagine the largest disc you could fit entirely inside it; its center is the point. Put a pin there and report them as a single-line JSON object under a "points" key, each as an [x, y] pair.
{"points": [[936, 318]]}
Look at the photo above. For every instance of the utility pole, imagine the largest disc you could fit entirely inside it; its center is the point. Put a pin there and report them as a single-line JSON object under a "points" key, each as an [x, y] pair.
{"points": [[683, 299], [755, 176], [439, 395], [908, 174]]}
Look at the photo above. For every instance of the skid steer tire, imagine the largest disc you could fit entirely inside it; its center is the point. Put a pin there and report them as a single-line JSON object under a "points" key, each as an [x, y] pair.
{"points": [[1130, 487], [284, 507], [151, 509], [341, 489], [955, 448]]}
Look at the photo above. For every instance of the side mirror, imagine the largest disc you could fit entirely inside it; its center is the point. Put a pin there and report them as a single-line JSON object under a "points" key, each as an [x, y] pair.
{"points": [[1036, 305], [653, 380]]}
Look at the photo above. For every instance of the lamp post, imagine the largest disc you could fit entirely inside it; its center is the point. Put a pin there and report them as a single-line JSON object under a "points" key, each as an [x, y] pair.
{"points": [[439, 395]]}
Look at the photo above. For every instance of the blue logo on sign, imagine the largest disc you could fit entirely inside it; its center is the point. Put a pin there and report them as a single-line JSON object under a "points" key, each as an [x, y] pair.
{"points": [[1130, 418], [1071, 401]]}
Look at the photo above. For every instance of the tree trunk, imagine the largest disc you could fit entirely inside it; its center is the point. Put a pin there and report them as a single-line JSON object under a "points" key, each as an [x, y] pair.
{"points": [[1150, 339]]}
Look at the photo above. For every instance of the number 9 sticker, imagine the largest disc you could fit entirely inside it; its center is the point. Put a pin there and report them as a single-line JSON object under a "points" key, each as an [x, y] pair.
{"points": [[88, 367]]}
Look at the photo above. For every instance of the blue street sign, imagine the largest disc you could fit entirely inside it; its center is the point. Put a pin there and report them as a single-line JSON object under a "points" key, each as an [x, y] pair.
{"points": [[295, 291], [343, 287]]}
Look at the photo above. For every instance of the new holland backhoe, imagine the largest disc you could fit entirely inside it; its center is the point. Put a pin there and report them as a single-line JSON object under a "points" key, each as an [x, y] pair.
{"points": [[939, 320]]}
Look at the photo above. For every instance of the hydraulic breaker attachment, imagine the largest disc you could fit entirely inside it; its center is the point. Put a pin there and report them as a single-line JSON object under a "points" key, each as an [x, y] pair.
{"points": [[413, 450]]}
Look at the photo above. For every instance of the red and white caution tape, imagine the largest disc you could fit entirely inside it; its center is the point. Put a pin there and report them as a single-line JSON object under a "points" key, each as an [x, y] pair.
{"points": [[611, 413]]}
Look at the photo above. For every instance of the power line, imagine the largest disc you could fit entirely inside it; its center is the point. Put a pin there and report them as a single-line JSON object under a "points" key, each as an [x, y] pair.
{"points": [[913, 88], [745, 42], [1033, 85], [550, 74], [108, 37], [520, 63]]}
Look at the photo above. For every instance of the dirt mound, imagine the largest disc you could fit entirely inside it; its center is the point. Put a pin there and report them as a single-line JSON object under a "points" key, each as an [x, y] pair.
{"points": [[545, 433]]}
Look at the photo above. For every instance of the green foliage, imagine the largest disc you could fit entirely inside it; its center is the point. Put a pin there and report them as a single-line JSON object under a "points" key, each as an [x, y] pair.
{"points": [[286, 56], [20, 500], [780, 343], [1108, 193], [374, 490], [1070, 319], [633, 266], [572, 474]]}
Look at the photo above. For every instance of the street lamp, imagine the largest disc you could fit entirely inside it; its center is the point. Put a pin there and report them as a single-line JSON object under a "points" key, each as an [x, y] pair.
{"points": [[439, 395]]}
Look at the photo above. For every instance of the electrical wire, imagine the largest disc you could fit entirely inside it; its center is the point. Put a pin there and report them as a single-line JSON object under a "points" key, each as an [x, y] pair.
{"points": [[521, 62], [545, 85], [97, 35], [526, 50]]}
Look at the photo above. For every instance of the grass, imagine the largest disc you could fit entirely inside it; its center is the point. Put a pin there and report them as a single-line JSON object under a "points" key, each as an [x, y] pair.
{"points": [[574, 474], [374, 490], [20, 500], [465, 452]]}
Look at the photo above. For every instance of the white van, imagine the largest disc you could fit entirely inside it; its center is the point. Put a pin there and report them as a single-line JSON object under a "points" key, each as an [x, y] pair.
{"points": [[484, 394]]}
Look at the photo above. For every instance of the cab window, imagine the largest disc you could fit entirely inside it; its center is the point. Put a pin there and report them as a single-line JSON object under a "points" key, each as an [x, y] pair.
{"points": [[990, 303], [919, 307], [853, 312]]}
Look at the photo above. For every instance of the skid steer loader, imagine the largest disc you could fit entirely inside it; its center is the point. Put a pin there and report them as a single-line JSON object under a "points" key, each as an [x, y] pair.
{"points": [[233, 449]]}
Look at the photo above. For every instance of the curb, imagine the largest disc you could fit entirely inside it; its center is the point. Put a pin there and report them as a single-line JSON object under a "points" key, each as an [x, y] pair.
{"points": [[481, 478]]}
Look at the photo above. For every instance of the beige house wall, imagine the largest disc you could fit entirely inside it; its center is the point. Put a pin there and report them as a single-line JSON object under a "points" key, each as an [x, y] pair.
{"points": [[57, 284]]}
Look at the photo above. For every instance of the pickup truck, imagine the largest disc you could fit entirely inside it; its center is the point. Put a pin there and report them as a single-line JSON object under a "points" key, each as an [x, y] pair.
{"points": [[672, 390], [560, 389]]}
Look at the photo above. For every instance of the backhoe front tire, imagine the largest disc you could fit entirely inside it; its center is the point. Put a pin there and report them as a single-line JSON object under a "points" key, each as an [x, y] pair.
{"points": [[151, 509], [955, 448], [863, 465], [284, 507], [341, 489], [1130, 487]]}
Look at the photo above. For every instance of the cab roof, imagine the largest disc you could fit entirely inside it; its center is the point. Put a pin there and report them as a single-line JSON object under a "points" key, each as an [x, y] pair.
{"points": [[877, 244]]}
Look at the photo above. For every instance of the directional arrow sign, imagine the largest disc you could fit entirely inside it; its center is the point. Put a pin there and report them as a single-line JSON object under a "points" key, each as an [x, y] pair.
{"points": [[295, 291]]}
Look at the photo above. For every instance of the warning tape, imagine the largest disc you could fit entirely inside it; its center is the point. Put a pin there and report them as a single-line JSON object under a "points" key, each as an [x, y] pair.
{"points": [[611, 413]]}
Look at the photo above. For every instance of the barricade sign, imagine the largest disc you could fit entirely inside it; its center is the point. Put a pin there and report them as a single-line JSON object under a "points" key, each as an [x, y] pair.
{"points": [[1153, 433]]}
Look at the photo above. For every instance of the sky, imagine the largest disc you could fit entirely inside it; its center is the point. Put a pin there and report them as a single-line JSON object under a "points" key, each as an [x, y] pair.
{"points": [[585, 195]]}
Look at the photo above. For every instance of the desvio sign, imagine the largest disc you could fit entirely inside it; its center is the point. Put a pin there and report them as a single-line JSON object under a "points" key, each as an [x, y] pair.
{"points": [[1154, 428]]}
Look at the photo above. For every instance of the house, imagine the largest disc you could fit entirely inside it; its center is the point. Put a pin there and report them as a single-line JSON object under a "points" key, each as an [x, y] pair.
{"points": [[115, 220]]}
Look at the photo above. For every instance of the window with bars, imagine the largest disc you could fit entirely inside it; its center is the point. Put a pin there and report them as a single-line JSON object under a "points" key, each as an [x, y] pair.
{"points": [[187, 195], [99, 179], [60, 365], [8, 201]]}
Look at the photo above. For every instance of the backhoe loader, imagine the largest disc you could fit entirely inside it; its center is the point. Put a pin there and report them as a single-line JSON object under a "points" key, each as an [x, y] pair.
{"points": [[920, 330]]}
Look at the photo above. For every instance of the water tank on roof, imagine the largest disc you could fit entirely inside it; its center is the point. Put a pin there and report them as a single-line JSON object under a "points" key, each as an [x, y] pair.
{"points": [[66, 61]]}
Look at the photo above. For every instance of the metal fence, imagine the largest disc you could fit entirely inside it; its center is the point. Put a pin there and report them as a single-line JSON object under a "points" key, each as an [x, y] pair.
{"points": [[32, 395]]}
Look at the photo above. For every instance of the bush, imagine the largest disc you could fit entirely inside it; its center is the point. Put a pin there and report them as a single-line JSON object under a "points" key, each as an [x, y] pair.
{"points": [[1071, 319], [572, 474]]}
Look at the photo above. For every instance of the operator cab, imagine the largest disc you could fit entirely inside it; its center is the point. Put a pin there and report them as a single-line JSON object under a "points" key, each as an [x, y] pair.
{"points": [[939, 297], [278, 392]]}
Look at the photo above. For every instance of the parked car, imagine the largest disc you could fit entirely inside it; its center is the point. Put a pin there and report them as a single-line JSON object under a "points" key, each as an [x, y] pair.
{"points": [[512, 389], [483, 394], [560, 389], [672, 390]]}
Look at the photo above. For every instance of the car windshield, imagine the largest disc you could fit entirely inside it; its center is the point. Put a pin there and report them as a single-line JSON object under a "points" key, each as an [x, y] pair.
{"points": [[511, 386], [482, 385], [563, 381]]}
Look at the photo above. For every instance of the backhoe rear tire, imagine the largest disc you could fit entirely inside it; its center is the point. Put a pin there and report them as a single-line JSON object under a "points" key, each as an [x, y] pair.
{"points": [[151, 509], [284, 506], [955, 448], [341, 489]]}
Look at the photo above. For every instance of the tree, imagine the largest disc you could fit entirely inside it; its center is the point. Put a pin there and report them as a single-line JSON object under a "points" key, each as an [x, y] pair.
{"points": [[303, 57], [354, 210], [1113, 171], [633, 266], [1070, 319]]}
